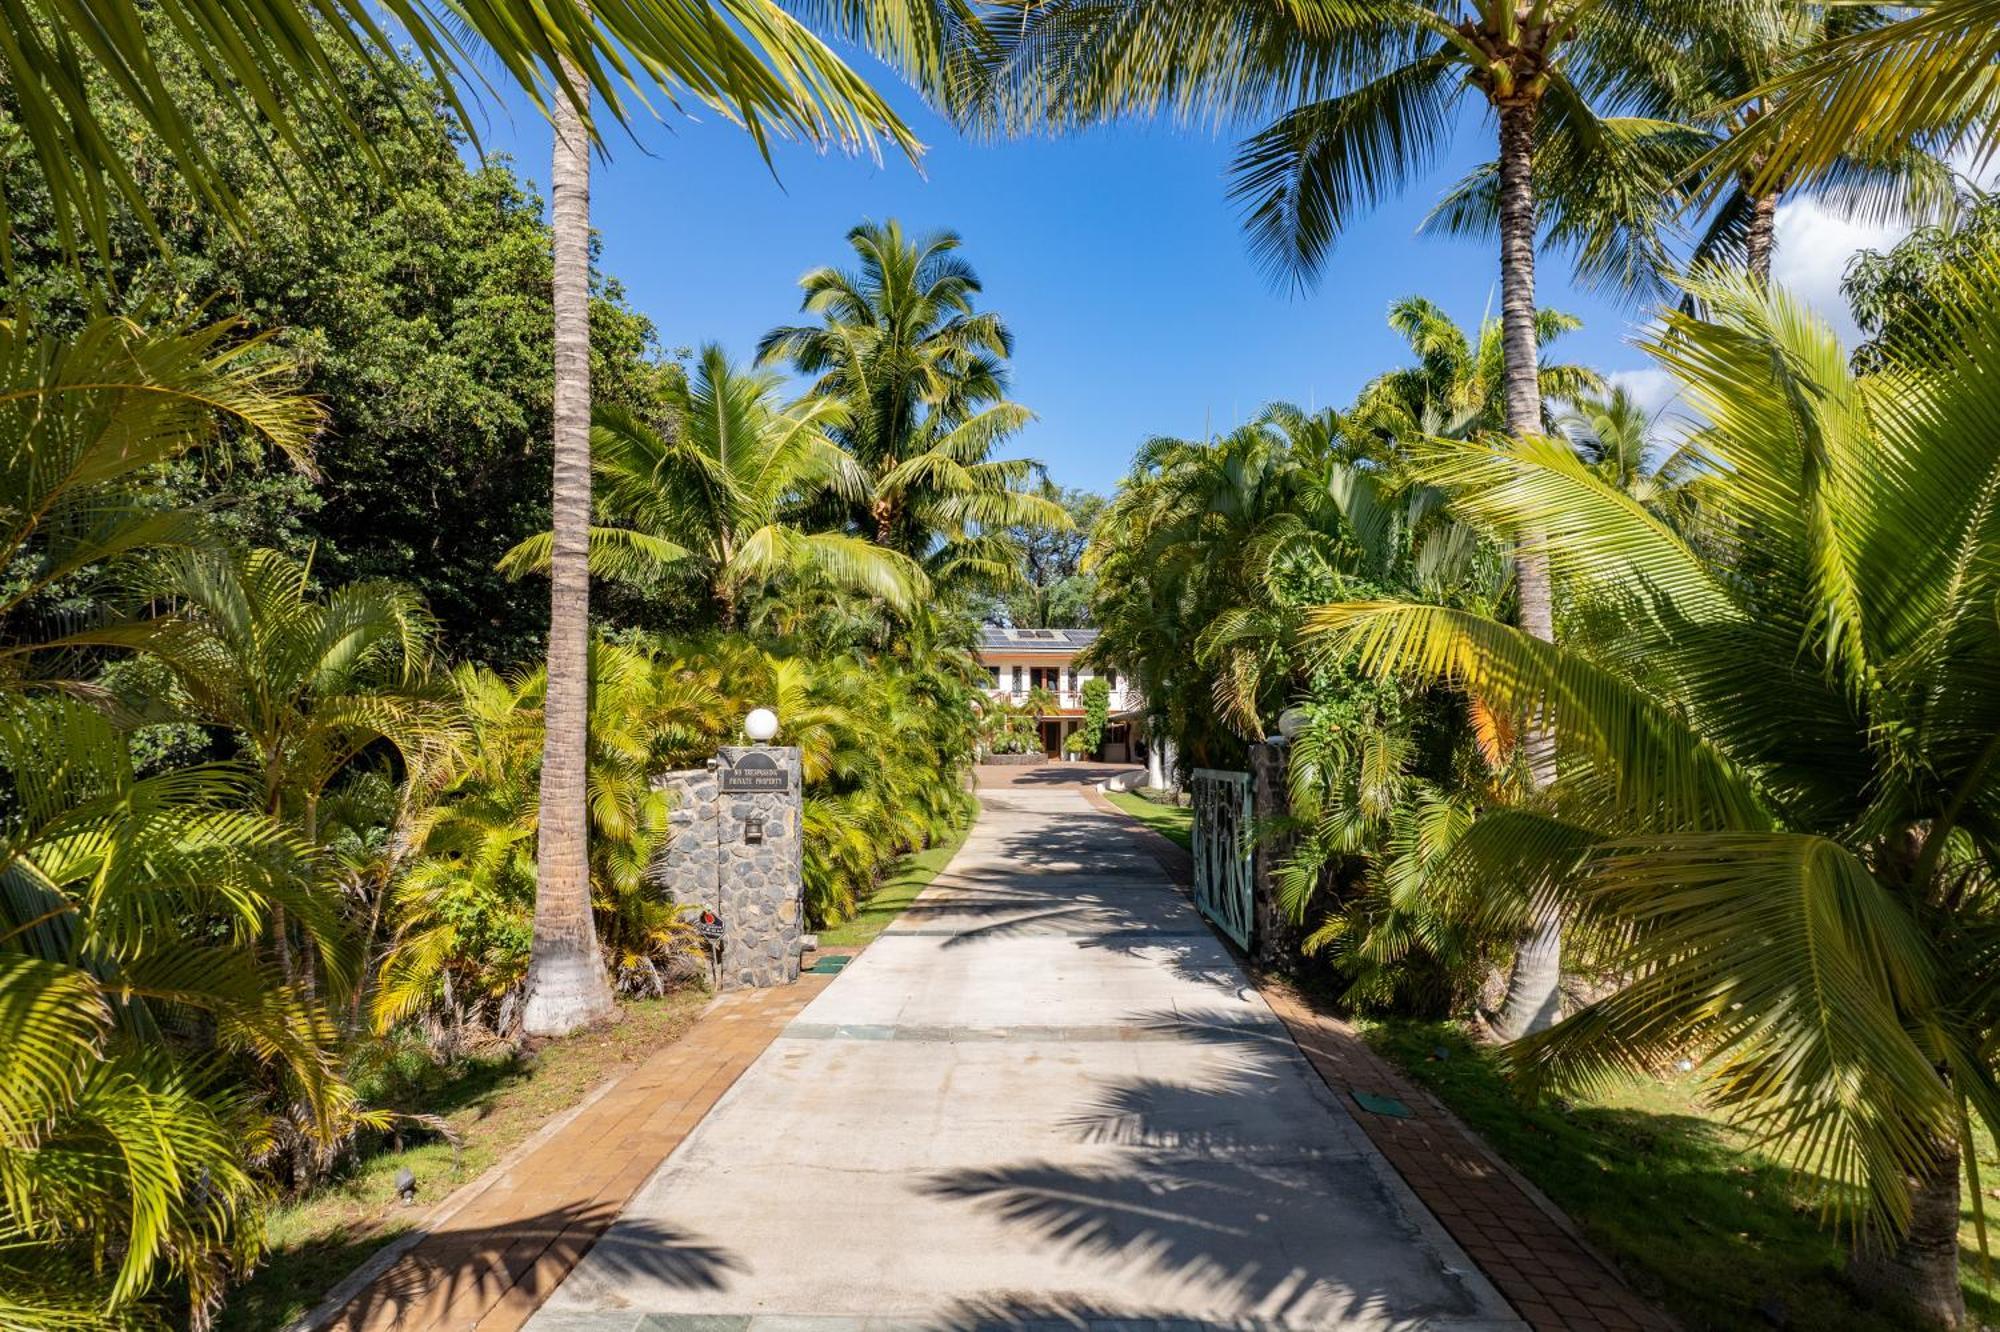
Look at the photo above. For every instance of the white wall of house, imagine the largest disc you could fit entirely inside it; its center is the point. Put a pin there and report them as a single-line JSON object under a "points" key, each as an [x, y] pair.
{"points": [[1012, 675]]}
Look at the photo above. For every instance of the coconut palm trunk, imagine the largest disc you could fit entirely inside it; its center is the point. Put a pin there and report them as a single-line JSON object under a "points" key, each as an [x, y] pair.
{"points": [[1534, 993], [1762, 237], [566, 986], [1917, 1273]]}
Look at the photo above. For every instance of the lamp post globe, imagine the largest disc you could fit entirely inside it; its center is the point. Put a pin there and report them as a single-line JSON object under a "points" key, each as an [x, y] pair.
{"points": [[761, 725]]}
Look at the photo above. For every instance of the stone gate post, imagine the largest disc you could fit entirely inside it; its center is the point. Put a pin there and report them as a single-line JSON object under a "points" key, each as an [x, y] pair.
{"points": [[1277, 937], [737, 849]]}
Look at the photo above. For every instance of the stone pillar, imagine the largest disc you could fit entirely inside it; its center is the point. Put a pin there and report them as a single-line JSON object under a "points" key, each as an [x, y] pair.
{"points": [[1277, 934], [754, 887]]}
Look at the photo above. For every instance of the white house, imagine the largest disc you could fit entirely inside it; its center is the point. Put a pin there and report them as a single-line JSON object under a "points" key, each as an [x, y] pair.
{"points": [[1019, 661]]}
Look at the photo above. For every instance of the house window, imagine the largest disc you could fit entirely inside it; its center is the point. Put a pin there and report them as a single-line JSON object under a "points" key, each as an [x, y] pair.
{"points": [[994, 672], [1017, 679], [1111, 679]]}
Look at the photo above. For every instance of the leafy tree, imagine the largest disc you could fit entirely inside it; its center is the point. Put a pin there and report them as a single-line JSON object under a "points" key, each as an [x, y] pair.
{"points": [[1057, 591], [1778, 740], [1895, 295], [416, 312], [1096, 699], [723, 485]]}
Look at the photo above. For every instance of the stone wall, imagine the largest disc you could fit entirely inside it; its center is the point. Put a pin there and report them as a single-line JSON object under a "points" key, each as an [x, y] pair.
{"points": [[755, 889], [1277, 936]]}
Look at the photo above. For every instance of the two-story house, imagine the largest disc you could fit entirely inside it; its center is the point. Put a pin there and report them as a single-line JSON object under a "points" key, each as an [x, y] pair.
{"points": [[1020, 661]]}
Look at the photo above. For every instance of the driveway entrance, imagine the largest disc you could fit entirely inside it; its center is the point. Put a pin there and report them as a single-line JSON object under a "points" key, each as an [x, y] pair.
{"points": [[1046, 1097]]}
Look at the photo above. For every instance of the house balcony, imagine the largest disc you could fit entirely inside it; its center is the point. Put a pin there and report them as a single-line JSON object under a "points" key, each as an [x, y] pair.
{"points": [[1069, 700]]}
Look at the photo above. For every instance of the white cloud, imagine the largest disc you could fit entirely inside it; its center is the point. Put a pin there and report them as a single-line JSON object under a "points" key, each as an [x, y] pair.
{"points": [[1655, 390], [1814, 247]]}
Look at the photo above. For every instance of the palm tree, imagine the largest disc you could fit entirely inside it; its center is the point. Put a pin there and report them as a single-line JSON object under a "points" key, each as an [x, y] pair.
{"points": [[279, 60], [87, 425], [920, 377], [1194, 536], [1779, 790], [137, 1004], [1733, 67], [1457, 386], [724, 485], [1365, 99], [748, 59], [305, 684], [1871, 91], [1616, 439], [138, 995], [462, 916], [1715, 87]]}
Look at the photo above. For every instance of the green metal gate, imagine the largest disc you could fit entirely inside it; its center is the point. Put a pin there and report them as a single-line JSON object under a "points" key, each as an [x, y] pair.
{"points": [[1223, 876]]}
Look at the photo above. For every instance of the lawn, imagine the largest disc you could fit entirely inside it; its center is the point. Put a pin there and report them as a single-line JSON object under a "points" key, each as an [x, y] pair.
{"points": [[896, 892], [1176, 821], [1712, 1230], [492, 1102]]}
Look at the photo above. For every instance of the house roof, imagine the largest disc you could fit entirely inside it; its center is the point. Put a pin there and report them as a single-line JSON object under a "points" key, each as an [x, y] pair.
{"points": [[1056, 642]]}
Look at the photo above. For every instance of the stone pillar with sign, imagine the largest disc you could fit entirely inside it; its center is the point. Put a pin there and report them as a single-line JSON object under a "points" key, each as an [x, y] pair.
{"points": [[736, 860]]}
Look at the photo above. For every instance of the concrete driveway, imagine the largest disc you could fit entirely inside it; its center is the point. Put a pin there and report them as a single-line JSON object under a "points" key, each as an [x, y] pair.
{"points": [[1046, 1097]]}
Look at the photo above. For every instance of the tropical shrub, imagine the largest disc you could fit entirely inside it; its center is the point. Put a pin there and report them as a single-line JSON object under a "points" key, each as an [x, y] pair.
{"points": [[463, 908], [1089, 734], [141, 1007], [1776, 737]]}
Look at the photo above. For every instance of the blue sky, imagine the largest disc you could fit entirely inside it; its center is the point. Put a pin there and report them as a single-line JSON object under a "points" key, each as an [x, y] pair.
{"points": [[1114, 256]]}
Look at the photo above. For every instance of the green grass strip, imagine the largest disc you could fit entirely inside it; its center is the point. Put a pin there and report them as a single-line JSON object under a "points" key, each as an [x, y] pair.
{"points": [[1174, 822], [897, 892]]}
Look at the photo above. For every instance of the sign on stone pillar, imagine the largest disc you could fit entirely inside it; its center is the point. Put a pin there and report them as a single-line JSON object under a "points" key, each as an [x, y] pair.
{"points": [[737, 850]]}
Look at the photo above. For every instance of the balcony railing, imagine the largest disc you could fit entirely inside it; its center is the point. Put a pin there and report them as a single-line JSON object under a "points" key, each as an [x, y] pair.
{"points": [[1069, 699]]}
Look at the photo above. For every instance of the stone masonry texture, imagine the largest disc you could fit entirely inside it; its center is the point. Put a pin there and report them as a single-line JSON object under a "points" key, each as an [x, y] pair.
{"points": [[754, 888]]}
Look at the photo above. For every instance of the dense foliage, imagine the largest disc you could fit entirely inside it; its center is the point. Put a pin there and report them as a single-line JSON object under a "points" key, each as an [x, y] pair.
{"points": [[257, 821], [415, 309], [277, 390]]}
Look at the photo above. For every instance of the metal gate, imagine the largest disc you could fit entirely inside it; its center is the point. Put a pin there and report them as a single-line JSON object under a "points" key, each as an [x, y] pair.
{"points": [[1223, 876]]}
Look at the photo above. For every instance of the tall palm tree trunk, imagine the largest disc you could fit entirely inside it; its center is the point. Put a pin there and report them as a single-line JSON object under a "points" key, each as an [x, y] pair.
{"points": [[1762, 237], [1534, 994], [1918, 1273], [566, 982]]}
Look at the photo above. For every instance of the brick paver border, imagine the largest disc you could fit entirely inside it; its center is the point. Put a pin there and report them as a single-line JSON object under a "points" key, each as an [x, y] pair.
{"points": [[489, 1262], [1523, 1242]]}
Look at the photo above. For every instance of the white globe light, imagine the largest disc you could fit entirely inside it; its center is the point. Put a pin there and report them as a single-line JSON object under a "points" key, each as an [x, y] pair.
{"points": [[1291, 721], [761, 725]]}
